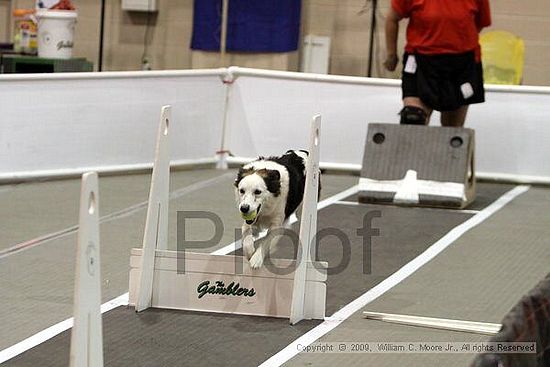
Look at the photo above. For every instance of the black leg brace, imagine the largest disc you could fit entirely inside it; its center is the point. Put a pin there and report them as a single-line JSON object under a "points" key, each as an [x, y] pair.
{"points": [[411, 115]]}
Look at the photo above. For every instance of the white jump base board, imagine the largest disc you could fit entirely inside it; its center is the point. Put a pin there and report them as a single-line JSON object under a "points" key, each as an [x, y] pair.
{"points": [[271, 295]]}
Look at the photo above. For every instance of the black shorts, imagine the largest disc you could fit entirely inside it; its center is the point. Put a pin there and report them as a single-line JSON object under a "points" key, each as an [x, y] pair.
{"points": [[444, 82]]}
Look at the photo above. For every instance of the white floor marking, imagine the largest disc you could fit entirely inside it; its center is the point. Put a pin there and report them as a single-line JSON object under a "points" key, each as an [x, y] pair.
{"points": [[355, 203], [332, 322], [109, 217], [54, 330], [122, 300]]}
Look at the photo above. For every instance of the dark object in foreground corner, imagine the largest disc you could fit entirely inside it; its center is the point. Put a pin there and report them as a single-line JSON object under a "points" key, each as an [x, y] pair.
{"points": [[528, 321]]}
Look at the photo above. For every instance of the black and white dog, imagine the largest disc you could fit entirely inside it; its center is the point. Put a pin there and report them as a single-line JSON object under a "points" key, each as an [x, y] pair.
{"points": [[269, 190]]}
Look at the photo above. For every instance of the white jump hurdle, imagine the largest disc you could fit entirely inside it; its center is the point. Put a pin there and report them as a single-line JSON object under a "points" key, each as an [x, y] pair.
{"points": [[86, 335], [210, 282]]}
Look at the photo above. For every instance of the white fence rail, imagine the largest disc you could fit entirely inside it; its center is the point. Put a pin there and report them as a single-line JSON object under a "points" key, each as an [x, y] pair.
{"points": [[48, 125], [47, 122]]}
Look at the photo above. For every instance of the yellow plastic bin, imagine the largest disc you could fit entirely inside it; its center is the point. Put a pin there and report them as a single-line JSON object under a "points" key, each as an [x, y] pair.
{"points": [[503, 56]]}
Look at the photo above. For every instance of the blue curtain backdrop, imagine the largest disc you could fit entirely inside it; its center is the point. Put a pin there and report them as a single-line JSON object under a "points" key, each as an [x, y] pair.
{"points": [[253, 25]]}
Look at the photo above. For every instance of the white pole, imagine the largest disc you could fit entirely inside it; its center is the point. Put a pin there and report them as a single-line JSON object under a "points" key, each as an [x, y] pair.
{"points": [[86, 335], [308, 224], [223, 35], [156, 224], [223, 153]]}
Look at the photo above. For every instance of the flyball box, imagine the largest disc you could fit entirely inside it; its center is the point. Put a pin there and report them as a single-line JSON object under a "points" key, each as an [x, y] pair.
{"points": [[418, 166]]}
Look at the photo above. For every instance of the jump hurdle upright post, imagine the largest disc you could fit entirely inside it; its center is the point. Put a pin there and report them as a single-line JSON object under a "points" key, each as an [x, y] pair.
{"points": [[86, 335], [156, 226], [308, 225]]}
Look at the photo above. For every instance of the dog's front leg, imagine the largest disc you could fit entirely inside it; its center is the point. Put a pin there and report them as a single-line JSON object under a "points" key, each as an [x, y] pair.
{"points": [[267, 245], [248, 241]]}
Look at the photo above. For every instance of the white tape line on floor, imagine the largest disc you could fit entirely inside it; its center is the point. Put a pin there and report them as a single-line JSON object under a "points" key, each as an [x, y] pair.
{"points": [[122, 300], [54, 330], [465, 211], [340, 316], [14, 249]]}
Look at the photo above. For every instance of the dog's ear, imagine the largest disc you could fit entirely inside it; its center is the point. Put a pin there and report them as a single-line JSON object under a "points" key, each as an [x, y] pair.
{"points": [[272, 179], [274, 174], [243, 172]]}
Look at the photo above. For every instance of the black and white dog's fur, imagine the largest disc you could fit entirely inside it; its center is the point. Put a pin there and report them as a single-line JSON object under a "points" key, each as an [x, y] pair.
{"points": [[273, 188]]}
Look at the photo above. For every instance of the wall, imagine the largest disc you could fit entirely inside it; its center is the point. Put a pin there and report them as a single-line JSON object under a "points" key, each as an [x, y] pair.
{"points": [[349, 28], [125, 33], [169, 35], [347, 22], [5, 31], [530, 20]]}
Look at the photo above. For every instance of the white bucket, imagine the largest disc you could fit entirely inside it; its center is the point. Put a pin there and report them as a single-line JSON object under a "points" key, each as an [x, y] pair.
{"points": [[55, 33]]}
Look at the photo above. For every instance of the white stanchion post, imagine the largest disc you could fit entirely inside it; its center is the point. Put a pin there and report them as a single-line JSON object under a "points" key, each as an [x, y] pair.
{"points": [[308, 225], [156, 225], [86, 335]]}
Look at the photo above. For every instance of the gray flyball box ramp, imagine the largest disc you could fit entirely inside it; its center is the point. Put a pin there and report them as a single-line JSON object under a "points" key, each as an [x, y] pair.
{"points": [[418, 166]]}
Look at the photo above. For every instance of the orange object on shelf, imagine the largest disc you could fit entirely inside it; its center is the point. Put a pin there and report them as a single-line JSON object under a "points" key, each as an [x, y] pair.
{"points": [[63, 5], [20, 13]]}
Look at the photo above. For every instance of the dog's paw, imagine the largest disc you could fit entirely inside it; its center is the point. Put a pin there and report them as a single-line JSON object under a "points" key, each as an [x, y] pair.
{"points": [[257, 260]]}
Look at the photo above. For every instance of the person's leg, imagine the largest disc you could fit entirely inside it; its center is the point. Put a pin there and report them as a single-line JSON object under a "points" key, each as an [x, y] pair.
{"points": [[416, 102], [414, 111], [454, 118]]}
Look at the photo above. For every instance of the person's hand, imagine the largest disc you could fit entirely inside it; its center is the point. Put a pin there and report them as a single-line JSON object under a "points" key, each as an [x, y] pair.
{"points": [[391, 62]]}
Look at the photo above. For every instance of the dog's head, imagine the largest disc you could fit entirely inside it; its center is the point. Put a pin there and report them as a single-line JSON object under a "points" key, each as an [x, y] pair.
{"points": [[254, 189]]}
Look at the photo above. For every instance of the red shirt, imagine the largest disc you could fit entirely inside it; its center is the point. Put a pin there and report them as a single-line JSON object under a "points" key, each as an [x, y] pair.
{"points": [[443, 26]]}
